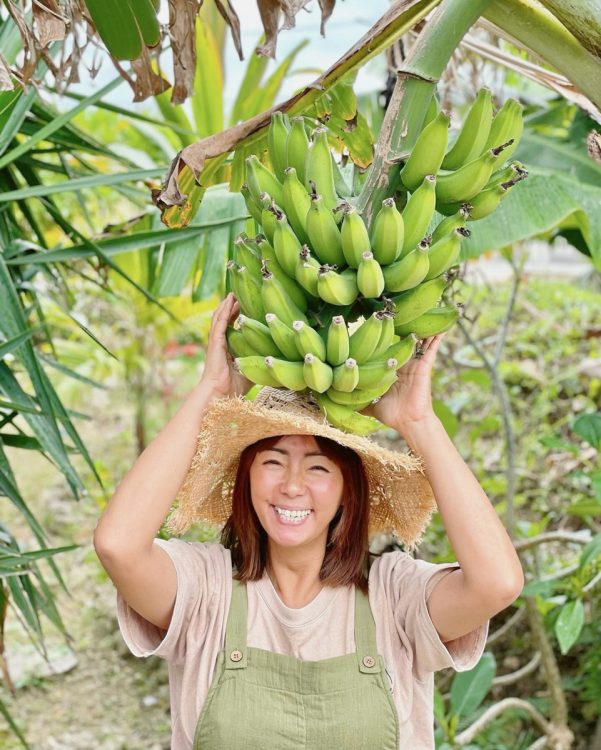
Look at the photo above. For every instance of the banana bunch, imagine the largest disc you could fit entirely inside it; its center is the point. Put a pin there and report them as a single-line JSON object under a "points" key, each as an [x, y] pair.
{"points": [[334, 306]]}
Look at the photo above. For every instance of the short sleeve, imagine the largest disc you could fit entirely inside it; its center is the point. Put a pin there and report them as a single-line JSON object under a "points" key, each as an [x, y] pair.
{"points": [[202, 570], [407, 584]]}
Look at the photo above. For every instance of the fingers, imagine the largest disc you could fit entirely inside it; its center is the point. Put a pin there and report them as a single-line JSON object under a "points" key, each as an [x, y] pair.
{"points": [[226, 311], [427, 348]]}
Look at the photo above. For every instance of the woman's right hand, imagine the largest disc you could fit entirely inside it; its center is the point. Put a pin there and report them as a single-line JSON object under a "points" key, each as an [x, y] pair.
{"points": [[219, 375]]}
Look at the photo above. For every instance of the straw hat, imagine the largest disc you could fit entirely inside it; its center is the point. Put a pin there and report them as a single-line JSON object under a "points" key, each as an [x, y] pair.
{"points": [[401, 498]]}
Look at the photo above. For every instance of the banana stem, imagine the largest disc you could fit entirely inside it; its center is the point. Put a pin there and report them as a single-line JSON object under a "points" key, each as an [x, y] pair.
{"points": [[540, 32], [415, 85]]}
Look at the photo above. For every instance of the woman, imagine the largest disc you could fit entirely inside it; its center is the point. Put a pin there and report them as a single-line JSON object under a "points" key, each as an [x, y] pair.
{"points": [[270, 637]]}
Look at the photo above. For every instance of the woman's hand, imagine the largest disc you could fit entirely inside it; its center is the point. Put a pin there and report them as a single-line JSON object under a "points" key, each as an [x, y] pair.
{"points": [[219, 375], [409, 400]]}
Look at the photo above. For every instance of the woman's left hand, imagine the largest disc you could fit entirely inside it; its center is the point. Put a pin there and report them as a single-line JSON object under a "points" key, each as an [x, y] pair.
{"points": [[409, 400]]}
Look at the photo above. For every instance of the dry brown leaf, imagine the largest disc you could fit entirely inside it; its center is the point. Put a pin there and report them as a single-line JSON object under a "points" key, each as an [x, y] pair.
{"points": [[269, 11], [147, 82], [182, 30], [593, 144], [327, 8], [6, 81], [30, 52], [230, 16], [49, 21]]}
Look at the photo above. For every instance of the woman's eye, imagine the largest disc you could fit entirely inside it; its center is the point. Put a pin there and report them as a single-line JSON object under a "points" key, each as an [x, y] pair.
{"points": [[323, 468], [271, 461]]}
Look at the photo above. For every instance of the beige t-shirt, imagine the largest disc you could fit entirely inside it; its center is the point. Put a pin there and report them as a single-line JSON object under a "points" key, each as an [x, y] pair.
{"points": [[399, 586]]}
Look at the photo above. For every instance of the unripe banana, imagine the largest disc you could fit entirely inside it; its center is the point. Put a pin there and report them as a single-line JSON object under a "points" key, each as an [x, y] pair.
{"points": [[388, 233], [445, 253], [318, 375], [469, 180], [276, 300], [253, 208], [296, 204], [255, 369], [286, 245], [418, 213], [456, 220], [345, 418], [319, 170], [354, 237], [413, 303], [337, 288], [359, 398], [386, 336], [277, 135], [431, 112], [513, 172], [238, 345], [337, 341], [377, 372], [471, 139], [268, 216], [283, 337], [292, 288], [265, 248], [307, 272], [346, 376], [261, 180], [370, 278], [487, 201], [507, 125], [308, 340], [297, 146], [288, 374], [248, 293], [434, 321], [244, 255], [402, 351], [258, 336], [323, 232], [364, 339], [410, 271], [427, 153]]}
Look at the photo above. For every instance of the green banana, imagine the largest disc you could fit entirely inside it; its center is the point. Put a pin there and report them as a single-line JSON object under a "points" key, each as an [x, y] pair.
{"points": [[513, 172], [248, 293], [428, 152], [508, 125], [370, 278], [318, 375], [255, 369], [469, 180], [471, 139], [323, 232], [487, 201], [388, 233], [308, 340], [386, 336], [431, 112], [402, 351], [307, 271], [292, 288], [377, 373], [364, 339], [347, 419], [297, 145], [410, 271], [258, 336], [265, 248], [261, 180], [445, 253], [276, 300], [413, 303], [337, 341], [418, 213], [238, 345], [288, 374], [286, 245], [253, 208], [436, 320], [337, 288], [269, 213], [454, 221], [346, 376], [319, 171], [277, 135], [244, 255], [354, 237], [283, 337], [360, 397], [296, 204]]}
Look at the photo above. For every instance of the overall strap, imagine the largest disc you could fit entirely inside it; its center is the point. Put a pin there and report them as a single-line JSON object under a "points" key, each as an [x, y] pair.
{"points": [[235, 630], [365, 635]]}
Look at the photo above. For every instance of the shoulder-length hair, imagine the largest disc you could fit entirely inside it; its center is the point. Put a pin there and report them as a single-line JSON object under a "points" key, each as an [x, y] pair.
{"points": [[347, 547]]}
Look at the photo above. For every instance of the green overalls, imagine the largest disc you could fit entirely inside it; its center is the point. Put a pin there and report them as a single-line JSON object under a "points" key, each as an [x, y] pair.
{"points": [[262, 699]]}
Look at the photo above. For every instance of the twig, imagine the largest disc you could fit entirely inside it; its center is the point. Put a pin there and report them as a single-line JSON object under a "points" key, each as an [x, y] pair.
{"points": [[512, 677], [506, 626], [551, 536], [491, 713]]}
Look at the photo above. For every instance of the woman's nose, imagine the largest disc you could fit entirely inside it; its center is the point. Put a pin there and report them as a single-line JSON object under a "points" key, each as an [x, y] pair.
{"points": [[293, 482]]}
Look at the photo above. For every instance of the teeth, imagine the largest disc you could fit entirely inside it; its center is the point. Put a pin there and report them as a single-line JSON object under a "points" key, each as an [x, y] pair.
{"points": [[292, 513]]}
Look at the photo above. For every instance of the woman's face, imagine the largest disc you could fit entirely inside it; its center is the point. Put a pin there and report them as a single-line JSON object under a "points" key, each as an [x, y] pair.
{"points": [[295, 476]]}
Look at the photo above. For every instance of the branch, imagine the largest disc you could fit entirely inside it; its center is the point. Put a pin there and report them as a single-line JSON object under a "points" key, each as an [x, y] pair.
{"points": [[506, 626], [512, 677], [491, 713], [551, 536]]}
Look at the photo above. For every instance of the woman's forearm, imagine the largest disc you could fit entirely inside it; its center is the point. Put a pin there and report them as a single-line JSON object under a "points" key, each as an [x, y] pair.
{"points": [[142, 500], [479, 539]]}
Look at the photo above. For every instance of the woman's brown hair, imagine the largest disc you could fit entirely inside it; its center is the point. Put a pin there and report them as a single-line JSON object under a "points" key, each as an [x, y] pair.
{"points": [[347, 550]]}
